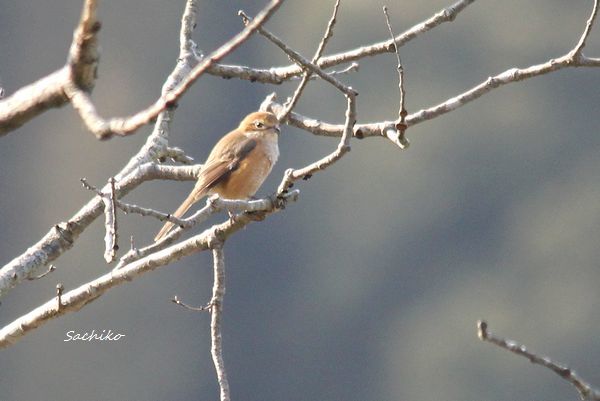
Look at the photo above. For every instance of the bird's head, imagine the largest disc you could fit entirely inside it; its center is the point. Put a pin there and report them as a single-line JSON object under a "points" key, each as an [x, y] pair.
{"points": [[260, 121]]}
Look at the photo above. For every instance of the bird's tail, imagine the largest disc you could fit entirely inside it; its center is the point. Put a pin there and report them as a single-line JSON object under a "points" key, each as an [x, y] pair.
{"points": [[191, 199]]}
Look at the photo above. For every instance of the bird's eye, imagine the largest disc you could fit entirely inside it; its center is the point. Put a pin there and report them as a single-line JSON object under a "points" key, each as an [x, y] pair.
{"points": [[259, 124]]}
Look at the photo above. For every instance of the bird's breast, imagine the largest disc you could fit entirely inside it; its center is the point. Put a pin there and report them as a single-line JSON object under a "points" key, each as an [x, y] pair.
{"points": [[271, 150]]}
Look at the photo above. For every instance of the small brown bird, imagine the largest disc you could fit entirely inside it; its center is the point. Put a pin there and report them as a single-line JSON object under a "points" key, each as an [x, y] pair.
{"points": [[238, 164]]}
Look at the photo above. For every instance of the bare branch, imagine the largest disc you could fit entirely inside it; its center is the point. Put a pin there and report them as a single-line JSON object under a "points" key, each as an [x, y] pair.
{"points": [[110, 223], [574, 58], [79, 297], [586, 391], [177, 155], [351, 68], [63, 235], [78, 76], [298, 58], [578, 50], [188, 24], [322, 128], [51, 268], [144, 211], [343, 147], [507, 77], [59, 291], [83, 54], [32, 100], [399, 67], [397, 135], [105, 129], [213, 205], [388, 128], [48, 92], [216, 311], [328, 32], [204, 308], [278, 75], [265, 76], [173, 172]]}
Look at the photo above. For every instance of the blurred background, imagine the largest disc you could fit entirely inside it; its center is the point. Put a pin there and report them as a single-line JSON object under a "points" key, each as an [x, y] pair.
{"points": [[370, 286]]}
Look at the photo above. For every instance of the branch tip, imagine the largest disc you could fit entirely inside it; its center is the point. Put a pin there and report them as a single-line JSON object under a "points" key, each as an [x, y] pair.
{"points": [[204, 308], [585, 390], [59, 291], [482, 329], [50, 269]]}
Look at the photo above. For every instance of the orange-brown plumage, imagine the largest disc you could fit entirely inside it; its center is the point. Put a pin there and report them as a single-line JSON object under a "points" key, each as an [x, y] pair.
{"points": [[237, 165]]}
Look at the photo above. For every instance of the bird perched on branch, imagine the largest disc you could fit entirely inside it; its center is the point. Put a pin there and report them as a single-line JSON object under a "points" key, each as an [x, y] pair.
{"points": [[237, 165]]}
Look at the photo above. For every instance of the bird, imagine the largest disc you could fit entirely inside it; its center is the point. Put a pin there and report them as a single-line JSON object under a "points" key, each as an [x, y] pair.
{"points": [[237, 165]]}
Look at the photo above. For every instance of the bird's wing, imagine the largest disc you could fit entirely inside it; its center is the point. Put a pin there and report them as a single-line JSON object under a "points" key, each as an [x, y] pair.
{"points": [[214, 170], [217, 169]]}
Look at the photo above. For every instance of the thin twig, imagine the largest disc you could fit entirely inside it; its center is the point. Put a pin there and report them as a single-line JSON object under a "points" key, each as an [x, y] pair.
{"points": [[216, 311], [586, 391], [328, 32], [132, 246], [277, 75], [177, 155], [48, 92], [135, 209], [398, 134], [342, 71], [578, 50], [383, 128], [445, 15], [298, 58], [144, 211], [306, 76], [351, 68], [343, 147], [204, 308], [51, 268], [399, 67], [213, 205]]}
